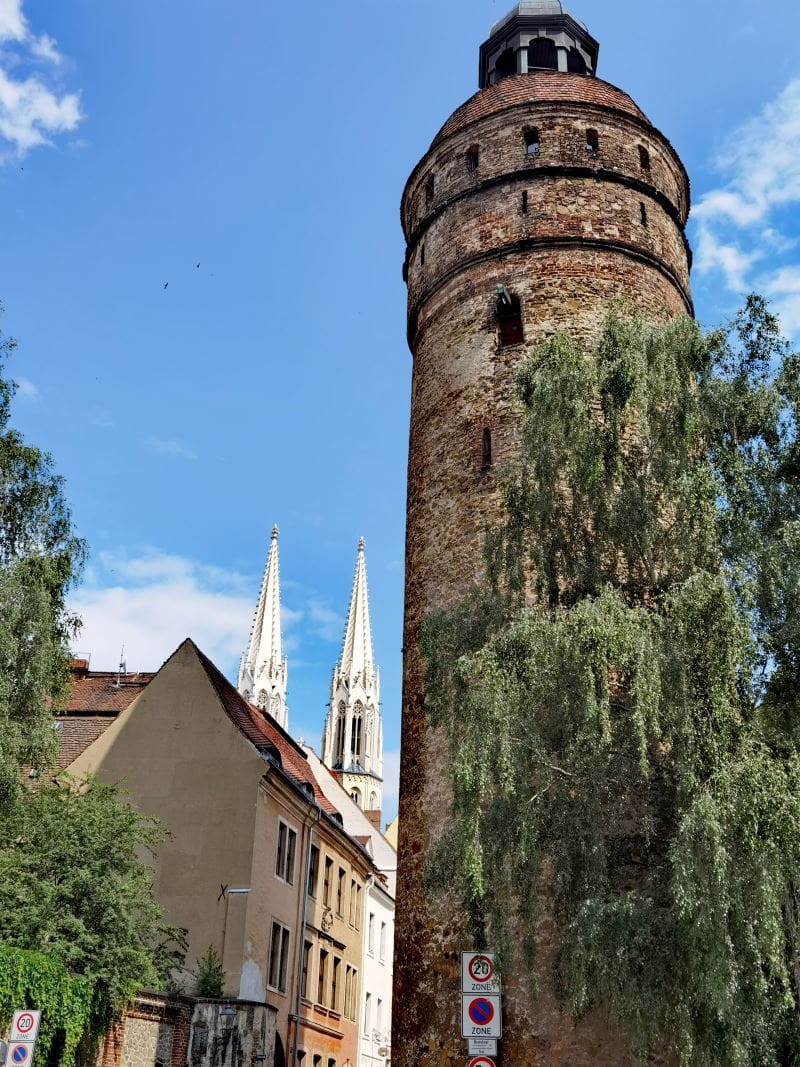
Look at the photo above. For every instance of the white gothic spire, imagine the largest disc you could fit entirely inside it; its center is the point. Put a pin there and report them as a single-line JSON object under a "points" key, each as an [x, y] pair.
{"points": [[263, 670], [352, 744]]}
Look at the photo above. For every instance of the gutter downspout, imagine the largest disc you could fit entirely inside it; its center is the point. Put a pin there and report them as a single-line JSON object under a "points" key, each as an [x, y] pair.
{"points": [[364, 952], [301, 940]]}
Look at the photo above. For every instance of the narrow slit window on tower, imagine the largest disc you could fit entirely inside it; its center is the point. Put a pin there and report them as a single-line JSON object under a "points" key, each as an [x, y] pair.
{"points": [[473, 158], [509, 317], [592, 141], [486, 449], [542, 54], [532, 142], [422, 256], [430, 189], [644, 158], [643, 214], [524, 202]]}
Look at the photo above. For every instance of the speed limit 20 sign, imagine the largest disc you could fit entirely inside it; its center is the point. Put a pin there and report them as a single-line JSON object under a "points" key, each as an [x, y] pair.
{"points": [[478, 973]]}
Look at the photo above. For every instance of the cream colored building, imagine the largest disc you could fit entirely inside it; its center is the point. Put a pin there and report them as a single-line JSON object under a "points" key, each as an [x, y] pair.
{"points": [[258, 864]]}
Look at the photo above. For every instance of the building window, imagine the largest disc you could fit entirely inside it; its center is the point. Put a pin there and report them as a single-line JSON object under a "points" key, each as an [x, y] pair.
{"points": [[486, 449], [278, 957], [383, 942], [263, 699], [313, 871], [331, 1062], [317, 1061], [367, 1012], [326, 885], [576, 64], [305, 989], [524, 202], [357, 922], [322, 977], [379, 1015], [592, 141], [509, 318], [542, 54], [301, 1056], [287, 846], [506, 64], [473, 158], [422, 256], [371, 934], [338, 746], [335, 978], [352, 902], [644, 158], [373, 801], [532, 142], [340, 892], [357, 733], [355, 796], [348, 990], [430, 189], [643, 214]]}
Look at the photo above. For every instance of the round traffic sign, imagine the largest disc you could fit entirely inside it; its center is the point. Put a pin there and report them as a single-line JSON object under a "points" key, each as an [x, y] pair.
{"points": [[481, 1011], [481, 969], [25, 1023], [19, 1054], [481, 1061]]}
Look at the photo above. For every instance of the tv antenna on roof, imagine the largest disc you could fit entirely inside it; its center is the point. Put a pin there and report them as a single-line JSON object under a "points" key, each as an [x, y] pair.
{"points": [[123, 669]]}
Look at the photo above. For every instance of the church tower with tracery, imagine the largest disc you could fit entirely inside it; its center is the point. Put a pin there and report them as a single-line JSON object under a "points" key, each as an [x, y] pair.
{"points": [[352, 744], [263, 670]]}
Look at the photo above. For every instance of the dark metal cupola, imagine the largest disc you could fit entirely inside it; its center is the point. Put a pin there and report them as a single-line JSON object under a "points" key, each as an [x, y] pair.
{"points": [[537, 35]]}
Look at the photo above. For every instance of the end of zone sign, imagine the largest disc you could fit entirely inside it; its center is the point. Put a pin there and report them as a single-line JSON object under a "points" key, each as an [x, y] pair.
{"points": [[478, 974]]}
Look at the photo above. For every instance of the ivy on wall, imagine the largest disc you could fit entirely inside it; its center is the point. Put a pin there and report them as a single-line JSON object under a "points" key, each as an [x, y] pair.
{"points": [[31, 980]]}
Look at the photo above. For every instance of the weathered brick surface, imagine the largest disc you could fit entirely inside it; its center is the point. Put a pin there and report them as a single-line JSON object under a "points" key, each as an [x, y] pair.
{"points": [[581, 243]]}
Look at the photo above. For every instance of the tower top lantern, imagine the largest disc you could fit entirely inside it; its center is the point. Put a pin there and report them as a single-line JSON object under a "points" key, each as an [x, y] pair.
{"points": [[537, 35]]}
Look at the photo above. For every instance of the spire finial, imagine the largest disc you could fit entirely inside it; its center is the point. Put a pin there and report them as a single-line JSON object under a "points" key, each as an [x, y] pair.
{"points": [[361, 544], [274, 533]]}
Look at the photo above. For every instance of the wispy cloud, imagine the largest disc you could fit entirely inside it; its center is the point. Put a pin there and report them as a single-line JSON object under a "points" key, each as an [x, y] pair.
{"points": [[33, 105], [749, 222], [326, 623], [27, 390], [176, 449]]}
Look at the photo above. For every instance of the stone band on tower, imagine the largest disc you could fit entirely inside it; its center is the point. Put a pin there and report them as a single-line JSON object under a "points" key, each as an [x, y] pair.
{"points": [[542, 198]]}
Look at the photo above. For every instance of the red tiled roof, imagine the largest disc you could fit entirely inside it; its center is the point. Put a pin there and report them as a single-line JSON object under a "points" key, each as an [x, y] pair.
{"points": [[541, 87], [103, 691], [76, 734], [260, 730]]}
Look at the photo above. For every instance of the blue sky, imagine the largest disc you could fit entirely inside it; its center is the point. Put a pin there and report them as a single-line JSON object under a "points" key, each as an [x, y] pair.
{"points": [[270, 144]]}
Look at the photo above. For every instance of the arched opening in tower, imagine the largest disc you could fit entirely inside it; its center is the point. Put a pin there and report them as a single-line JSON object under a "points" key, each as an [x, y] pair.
{"points": [[576, 64], [542, 54], [509, 319], [506, 64], [355, 742]]}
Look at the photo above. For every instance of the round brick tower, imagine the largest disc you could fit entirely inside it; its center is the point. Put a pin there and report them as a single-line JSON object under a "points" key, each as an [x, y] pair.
{"points": [[542, 197]]}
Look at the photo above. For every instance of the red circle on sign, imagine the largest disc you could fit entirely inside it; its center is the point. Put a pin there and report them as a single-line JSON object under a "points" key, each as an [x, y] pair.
{"points": [[25, 1023], [481, 969], [481, 1061], [481, 1011]]}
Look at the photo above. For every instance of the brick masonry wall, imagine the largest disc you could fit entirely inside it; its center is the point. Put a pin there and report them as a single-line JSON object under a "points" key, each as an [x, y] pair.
{"points": [[581, 244]]}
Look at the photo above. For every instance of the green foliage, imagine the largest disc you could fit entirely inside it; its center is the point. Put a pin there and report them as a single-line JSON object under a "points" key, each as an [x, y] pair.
{"points": [[620, 697], [209, 974], [31, 980], [73, 887], [40, 557]]}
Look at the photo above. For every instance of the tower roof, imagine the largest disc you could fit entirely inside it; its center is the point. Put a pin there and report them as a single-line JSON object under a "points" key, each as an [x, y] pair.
{"points": [[537, 35], [265, 639], [356, 657], [535, 8]]}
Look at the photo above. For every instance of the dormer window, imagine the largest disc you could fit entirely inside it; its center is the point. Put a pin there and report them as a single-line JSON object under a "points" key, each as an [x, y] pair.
{"points": [[542, 54], [592, 142], [506, 64], [532, 142], [576, 64]]}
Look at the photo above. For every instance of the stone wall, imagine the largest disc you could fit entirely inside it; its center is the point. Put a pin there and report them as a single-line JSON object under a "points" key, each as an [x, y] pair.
{"points": [[581, 241], [163, 1031]]}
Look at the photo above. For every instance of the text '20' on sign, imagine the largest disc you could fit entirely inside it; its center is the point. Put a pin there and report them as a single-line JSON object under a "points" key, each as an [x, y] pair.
{"points": [[478, 974]]}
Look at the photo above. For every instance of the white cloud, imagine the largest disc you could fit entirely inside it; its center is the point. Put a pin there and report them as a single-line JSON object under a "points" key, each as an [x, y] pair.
{"points": [[328, 624], [744, 222], [152, 601], [170, 448], [13, 26], [26, 389], [32, 109]]}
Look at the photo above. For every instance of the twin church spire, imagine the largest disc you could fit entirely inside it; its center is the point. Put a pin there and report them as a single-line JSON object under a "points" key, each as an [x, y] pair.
{"points": [[352, 742]]}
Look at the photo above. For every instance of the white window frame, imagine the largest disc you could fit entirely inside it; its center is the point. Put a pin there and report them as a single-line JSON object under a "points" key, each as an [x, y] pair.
{"points": [[382, 944], [286, 853], [284, 956], [367, 1011], [371, 934]]}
